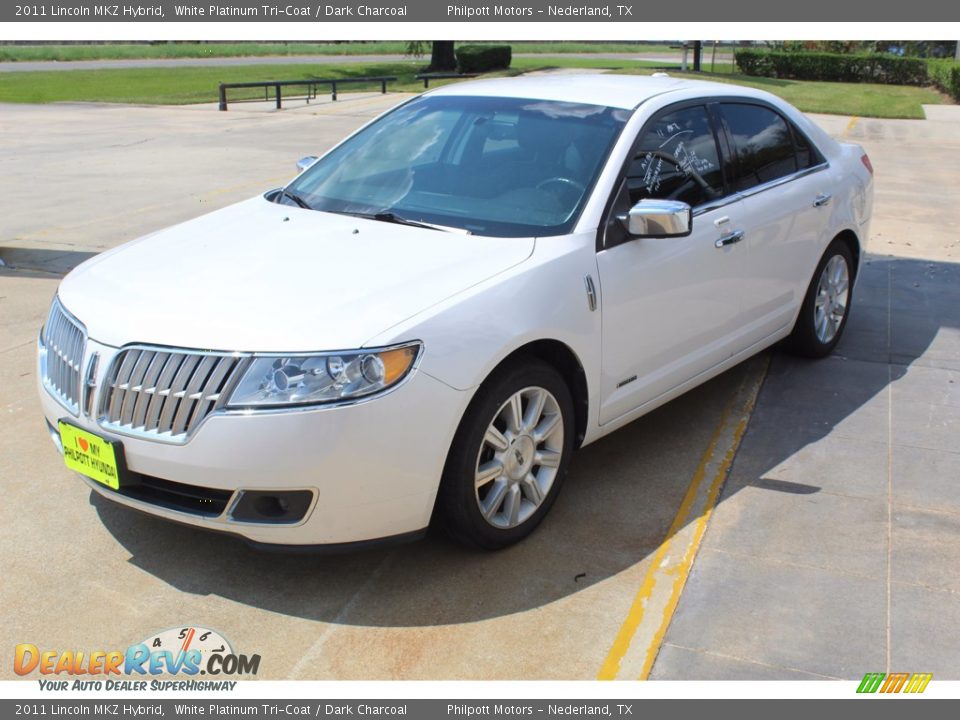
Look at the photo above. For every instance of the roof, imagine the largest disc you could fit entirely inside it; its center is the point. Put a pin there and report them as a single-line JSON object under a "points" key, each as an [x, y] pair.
{"points": [[620, 91]]}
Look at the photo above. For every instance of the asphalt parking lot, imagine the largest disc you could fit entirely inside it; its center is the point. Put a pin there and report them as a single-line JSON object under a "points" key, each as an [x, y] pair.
{"points": [[787, 520]]}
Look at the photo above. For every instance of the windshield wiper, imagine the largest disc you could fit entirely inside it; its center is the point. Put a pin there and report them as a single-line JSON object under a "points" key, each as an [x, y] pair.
{"points": [[296, 198], [391, 217]]}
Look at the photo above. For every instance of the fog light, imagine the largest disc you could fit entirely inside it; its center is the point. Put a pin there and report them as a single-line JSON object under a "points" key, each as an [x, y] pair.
{"points": [[274, 507]]}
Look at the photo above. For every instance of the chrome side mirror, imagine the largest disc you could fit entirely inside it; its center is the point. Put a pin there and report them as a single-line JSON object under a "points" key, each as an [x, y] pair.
{"points": [[659, 219], [305, 162]]}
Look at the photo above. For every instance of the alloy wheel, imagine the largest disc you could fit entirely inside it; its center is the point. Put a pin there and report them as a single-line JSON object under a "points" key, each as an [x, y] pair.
{"points": [[519, 457], [833, 294]]}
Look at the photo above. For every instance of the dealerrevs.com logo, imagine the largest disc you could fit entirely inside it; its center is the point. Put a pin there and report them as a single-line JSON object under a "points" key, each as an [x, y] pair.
{"points": [[184, 651]]}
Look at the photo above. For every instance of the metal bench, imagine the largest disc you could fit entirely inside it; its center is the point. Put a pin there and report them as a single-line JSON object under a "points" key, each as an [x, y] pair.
{"points": [[427, 77]]}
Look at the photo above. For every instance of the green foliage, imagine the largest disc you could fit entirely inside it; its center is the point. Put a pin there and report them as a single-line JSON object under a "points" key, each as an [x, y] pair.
{"points": [[945, 75], [416, 48], [845, 47], [903, 48], [833, 67], [483, 58]]}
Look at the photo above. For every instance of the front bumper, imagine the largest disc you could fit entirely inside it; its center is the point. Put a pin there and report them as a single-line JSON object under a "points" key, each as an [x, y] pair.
{"points": [[373, 467]]}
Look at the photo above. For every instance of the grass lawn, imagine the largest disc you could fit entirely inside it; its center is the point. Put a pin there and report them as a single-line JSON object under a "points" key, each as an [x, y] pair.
{"points": [[184, 85], [121, 51], [862, 99]]}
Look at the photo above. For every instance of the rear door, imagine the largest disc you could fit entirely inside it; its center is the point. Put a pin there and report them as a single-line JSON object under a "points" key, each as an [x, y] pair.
{"points": [[670, 305], [787, 203]]}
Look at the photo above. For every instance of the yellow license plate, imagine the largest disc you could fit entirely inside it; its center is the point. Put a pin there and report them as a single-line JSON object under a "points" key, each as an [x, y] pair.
{"points": [[91, 455]]}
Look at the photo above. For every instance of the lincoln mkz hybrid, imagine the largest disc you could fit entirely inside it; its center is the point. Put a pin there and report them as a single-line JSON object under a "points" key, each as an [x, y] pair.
{"points": [[427, 321]]}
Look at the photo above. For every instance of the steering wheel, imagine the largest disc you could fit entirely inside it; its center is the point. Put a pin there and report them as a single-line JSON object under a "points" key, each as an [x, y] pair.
{"points": [[688, 171]]}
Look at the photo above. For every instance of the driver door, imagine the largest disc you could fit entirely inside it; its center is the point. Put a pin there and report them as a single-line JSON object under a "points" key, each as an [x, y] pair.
{"points": [[671, 306]]}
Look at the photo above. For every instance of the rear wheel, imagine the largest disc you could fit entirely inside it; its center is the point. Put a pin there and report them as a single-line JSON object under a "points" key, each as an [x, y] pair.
{"points": [[826, 305], [509, 457]]}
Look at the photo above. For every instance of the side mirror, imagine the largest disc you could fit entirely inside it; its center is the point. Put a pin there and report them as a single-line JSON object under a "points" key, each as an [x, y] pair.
{"points": [[659, 219], [305, 162]]}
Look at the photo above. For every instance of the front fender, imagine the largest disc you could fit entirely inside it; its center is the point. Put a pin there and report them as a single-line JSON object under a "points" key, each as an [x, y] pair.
{"points": [[544, 298]]}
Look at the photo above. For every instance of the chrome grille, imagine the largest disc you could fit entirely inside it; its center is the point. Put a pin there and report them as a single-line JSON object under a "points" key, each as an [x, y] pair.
{"points": [[164, 393], [63, 340]]}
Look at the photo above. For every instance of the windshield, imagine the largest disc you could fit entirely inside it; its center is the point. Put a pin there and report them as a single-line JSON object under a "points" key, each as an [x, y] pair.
{"points": [[505, 167]]}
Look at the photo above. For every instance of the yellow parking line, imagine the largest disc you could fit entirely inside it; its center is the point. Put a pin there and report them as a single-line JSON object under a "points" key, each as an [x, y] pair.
{"points": [[850, 125], [637, 643]]}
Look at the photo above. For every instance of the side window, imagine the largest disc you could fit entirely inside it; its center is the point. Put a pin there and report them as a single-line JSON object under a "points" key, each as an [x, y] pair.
{"points": [[763, 143], [677, 160], [807, 155]]}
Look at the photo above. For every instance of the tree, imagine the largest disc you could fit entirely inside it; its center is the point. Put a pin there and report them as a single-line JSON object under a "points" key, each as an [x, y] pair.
{"points": [[442, 57]]}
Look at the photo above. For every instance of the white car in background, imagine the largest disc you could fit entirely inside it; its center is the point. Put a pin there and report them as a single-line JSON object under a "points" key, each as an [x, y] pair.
{"points": [[434, 315]]}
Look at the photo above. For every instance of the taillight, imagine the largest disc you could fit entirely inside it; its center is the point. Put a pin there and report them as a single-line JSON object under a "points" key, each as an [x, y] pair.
{"points": [[865, 159]]}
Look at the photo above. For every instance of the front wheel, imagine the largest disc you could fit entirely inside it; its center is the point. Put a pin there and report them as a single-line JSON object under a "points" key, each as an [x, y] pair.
{"points": [[509, 457], [826, 305]]}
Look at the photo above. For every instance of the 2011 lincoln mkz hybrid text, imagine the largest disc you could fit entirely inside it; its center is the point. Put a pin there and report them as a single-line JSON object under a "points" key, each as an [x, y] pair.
{"points": [[430, 318]]}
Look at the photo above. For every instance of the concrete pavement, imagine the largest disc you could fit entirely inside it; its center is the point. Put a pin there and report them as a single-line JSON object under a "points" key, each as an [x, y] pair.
{"points": [[828, 554], [835, 544]]}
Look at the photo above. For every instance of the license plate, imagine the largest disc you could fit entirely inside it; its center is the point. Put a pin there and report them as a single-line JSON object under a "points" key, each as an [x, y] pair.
{"points": [[92, 455]]}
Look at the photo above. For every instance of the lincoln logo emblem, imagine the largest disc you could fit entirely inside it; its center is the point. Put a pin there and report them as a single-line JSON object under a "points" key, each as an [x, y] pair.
{"points": [[519, 456]]}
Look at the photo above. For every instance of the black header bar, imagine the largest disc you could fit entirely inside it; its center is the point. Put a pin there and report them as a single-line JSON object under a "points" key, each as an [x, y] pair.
{"points": [[621, 11]]}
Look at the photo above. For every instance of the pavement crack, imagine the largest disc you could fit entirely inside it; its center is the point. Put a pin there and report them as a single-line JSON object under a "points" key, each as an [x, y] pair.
{"points": [[789, 563], [307, 660], [130, 144], [753, 662], [889, 461]]}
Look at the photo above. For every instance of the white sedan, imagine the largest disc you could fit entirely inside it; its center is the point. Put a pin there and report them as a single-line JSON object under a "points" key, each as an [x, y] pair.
{"points": [[430, 318]]}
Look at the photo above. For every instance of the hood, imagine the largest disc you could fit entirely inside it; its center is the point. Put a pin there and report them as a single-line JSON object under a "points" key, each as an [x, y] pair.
{"points": [[257, 276]]}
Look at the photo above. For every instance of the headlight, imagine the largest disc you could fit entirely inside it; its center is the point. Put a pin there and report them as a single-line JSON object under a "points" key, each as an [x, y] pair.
{"points": [[314, 379]]}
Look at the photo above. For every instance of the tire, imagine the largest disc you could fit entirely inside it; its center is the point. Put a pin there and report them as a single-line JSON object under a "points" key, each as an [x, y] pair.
{"points": [[826, 306], [494, 492]]}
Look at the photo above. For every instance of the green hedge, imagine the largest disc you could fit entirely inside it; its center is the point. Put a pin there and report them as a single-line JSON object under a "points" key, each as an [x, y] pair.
{"points": [[834, 67], [483, 58], [945, 75]]}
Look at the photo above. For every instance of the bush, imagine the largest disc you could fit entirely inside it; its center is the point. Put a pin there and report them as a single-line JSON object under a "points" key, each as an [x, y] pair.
{"points": [[945, 75], [833, 67], [483, 58]]}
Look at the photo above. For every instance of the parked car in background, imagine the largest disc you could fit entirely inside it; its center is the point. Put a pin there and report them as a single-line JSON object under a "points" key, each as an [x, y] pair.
{"points": [[430, 318]]}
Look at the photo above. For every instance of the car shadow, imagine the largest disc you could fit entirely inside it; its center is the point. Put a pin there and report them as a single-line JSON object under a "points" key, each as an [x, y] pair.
{"points": [[619, 499], [42, 263]]}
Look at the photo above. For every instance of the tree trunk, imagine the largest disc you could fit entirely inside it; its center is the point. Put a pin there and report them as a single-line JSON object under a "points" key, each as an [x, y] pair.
{"points": [[442, 58], [697, 53]]}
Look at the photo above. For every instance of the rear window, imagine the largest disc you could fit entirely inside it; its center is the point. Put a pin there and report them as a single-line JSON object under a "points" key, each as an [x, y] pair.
{"points": [[763, 143]]}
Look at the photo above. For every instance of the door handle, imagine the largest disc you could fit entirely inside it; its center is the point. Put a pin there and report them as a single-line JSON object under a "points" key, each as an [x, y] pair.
{"points": [[729, 239], [822, 199]]}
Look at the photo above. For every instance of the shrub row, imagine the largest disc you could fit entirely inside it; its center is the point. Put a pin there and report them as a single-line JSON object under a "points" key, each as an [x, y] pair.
{"points": [[833, 67], [483, 58], [945, 75]]}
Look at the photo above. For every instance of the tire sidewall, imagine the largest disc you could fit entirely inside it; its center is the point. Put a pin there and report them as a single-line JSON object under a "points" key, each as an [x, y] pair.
{"points": [[457, 507], [804, 339]]}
